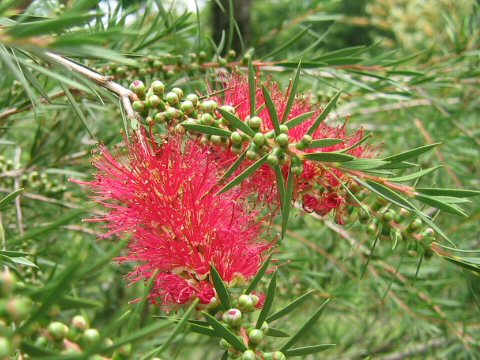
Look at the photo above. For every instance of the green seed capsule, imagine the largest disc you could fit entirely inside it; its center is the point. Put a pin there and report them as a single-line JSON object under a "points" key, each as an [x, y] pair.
{"points": [[79, 322], [158, 87], [57, 330], [259, 139], [255, 122], [278, 355], [282, 139], [248, 355], [215, 139], [415, 225], [236, 137], [7, 282], [91, 336], [172, 98], [228, 108], [208, 106], [251, 155], [255, 336], [283, 129], [187, 107], [138, 106], [171, 113], [154, 101], [160, 118], [245, 303], [178, 91], [193, 98], [5, 348], [273, 159], [207, 119]]}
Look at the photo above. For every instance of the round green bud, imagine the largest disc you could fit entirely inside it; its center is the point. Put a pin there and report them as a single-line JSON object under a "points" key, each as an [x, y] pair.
{"points": [[265, 327], [254, 122], [278, 355], [267, 356], [158, 87], [40, 342], [232, 317], [160, 118], [179, 129], [208, 106], [172, 98], [282, 139], [202, 55], [301, 146], [7, 282], [225, 345], [371, 229], [259, 139], [142, 71], [222, 62], [255, 299], [178, 91], [245, 303], [138, 106], [231, 54], [154, 101], [19, 308], [273, 159], [428, 253], [428, 232], [79, 322], [255, 336], [138, 87], [251, 155], [125, 350], [236, 149], [283, 129], [5, 348], [216, 139], [228, 108], [388, 216], [171, 113], [90, 336], [187, 107], [248, 355], [236, 138], [57, 330], [207, 119], [270, 135], [193, 98], [297, 169], [415, 225]]}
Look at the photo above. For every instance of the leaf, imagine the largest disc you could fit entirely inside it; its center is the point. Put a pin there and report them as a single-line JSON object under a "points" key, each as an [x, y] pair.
{"points": [[251, 86], [253, 284], [178, 328], [363, 164], [415, 175], [204, 129], [410, 153], [233, 168], [297, 120], [328, 157], [323, 115], [386, 193], [292, 93], [324, 143], [270, 295], [245, 174], [448, 192], [9, 198], [290, 307], [236, 122], [23, 261], [286, 44], [287, 202], [224, 333], [308, 350], [274, 332], [453, 209], [305, 328], [220, 288], [464, 264], [399, 165], [272, 110], [280, 183], [77, 109]]}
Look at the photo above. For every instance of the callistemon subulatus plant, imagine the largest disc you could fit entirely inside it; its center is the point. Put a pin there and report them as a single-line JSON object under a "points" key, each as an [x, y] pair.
{"points": [[200, 180]]}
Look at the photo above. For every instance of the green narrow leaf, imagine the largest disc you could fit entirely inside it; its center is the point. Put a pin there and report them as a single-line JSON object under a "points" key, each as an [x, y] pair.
{"points": [[386, 193], [363, 164], [77, 109], [452, 209], [285, 45], [290, 307], [399, 165], [205, 129], [328, 157], [253, 284], [324, 143], [272, 110], [236, 122], [280, 183], [300, 119], [292, 93], [323, 115], [270, 295], [9, 198], [308, 350], [178, 328], [305, 328], [224, 333], [232, 168], [410, 153], [220, 288], [415, 175], [448, 192], [286, 203], [246, 173], [274, 332], [463, 264], [251, 86]]}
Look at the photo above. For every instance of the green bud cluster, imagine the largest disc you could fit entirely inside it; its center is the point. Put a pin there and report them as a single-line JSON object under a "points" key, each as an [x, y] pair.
{"points": [[392, 225]]}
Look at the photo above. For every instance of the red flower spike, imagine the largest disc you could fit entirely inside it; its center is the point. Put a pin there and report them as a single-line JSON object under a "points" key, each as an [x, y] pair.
{"points": [[163, 195]]}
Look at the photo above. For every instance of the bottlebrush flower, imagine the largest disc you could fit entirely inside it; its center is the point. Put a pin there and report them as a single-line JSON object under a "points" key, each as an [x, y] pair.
{"points": [[162, 194], [316, 188]]}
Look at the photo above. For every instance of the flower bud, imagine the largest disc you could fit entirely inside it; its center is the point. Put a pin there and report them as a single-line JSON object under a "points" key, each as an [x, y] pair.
{"points": [[232, 317], [245, 303], [278, 355], [225, 345], [7, 282], [171, 113], [248, 355], [217, 140], [208, 106], [270, 135], [282, 139], [172, 98], [428, 232], [125, 350], [207, 119], [160, 118], [187, 107], [236, 149], [265, 327], [272, 159], [415, 225], [236, 138], [138, 87], [154, 101], [254, 122], [259, 139], [255, 336], [283, 129], [57, 330], [79, 322], [19, 308], [5, 348], [251, 155], [90, 336], [193, 98], [158, 87], [138, 106]]}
